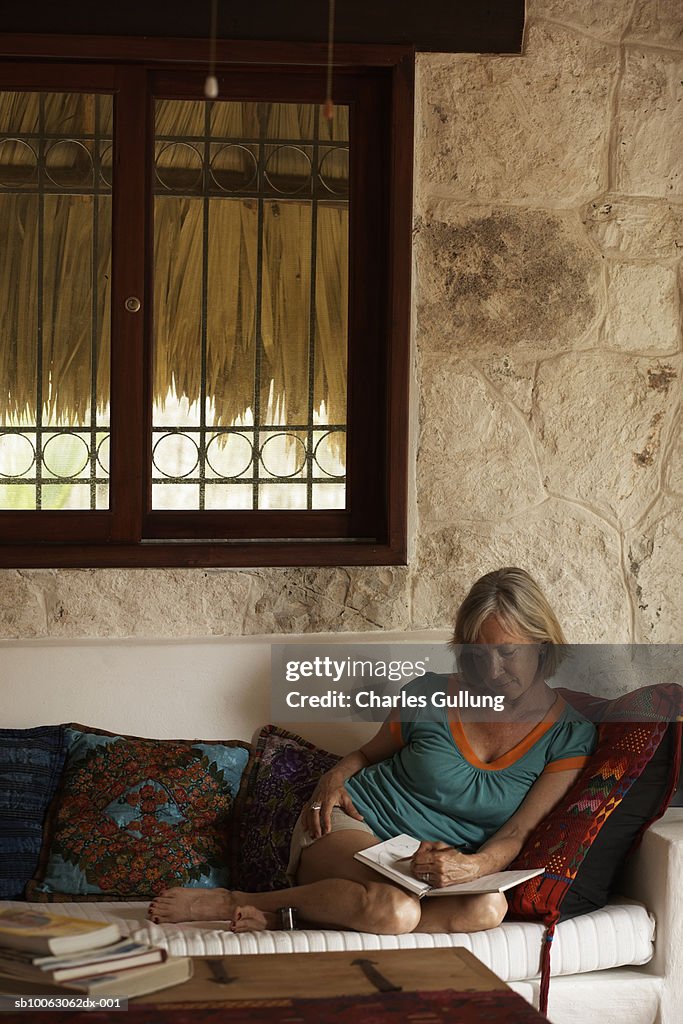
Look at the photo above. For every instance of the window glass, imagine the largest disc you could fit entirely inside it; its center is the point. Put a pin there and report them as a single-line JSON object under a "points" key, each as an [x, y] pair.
{"points": [[250, 338], [55, 270]]}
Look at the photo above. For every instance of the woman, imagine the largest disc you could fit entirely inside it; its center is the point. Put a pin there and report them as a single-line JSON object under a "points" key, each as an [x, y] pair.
{"points": [[471, 790]]}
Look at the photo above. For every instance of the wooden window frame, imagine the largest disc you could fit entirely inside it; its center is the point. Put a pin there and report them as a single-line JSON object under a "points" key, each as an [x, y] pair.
{"points": [[373, 530]]}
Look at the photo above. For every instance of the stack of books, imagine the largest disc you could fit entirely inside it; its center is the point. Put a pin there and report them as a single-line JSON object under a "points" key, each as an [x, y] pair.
{"points": [[44, 953]]}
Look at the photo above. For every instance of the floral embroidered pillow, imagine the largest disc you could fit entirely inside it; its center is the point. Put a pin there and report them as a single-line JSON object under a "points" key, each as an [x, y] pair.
{"points": [[134, 816]]}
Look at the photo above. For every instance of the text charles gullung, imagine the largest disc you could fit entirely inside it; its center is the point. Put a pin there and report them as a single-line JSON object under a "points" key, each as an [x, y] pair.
{"points": [[393, 671]]}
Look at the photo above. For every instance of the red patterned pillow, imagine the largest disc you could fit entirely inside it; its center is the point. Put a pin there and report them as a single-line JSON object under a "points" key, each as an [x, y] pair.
{"points": [[631, 730]]}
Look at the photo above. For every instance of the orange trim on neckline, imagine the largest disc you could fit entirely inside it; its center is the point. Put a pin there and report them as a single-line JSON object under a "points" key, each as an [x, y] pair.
{"points": [[515, 753]]}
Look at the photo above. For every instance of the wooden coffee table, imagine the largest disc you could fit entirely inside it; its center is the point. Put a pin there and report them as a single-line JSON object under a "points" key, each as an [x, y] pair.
{"points": [[448, 984]]}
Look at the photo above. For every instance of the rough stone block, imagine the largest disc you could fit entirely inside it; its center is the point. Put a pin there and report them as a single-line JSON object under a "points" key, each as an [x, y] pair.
{"points": [[635, 227], [22, 603], [674, 475], [574, 556], [517, 128], [606, 19], [525, 281], [513, 377], [153, 602], [476, 457], [643, 308], [657, 21], [332, 600], [649, 154], [601, 421], [654, 577]]}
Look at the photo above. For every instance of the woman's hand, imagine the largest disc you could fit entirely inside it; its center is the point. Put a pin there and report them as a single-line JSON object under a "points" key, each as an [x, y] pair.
{"points": [[330, 792], [439, 865]]}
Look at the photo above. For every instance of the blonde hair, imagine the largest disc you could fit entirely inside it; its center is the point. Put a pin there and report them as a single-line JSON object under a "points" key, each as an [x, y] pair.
{"points": [[514, 598]]}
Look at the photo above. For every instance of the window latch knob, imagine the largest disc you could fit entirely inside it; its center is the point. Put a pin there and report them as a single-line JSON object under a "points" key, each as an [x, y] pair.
{"points": [[132, 304]]}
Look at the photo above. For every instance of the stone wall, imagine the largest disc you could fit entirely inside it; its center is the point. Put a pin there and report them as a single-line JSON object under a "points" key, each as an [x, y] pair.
{"points": [[549, 236]]}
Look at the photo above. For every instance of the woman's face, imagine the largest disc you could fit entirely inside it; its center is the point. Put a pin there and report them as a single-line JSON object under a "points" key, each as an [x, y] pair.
{"points": [[505, 662]]}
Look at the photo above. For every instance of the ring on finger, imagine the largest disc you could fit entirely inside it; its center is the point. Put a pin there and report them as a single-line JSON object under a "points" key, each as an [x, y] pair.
{"points": [[316, 807]]}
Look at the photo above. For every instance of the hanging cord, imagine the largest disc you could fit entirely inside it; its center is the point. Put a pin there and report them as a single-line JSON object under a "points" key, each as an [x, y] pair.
{"points": [[545, 968], [328, 106], [211, 83]]}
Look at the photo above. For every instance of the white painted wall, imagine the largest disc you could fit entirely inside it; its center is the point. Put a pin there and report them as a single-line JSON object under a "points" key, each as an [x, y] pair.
{"points": [[204, 689]]}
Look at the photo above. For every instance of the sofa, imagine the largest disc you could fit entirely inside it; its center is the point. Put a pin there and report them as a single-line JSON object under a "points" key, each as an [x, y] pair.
{"points": [[621, 961]]}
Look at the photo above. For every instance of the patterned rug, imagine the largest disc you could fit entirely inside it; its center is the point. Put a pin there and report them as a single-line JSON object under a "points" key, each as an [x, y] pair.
{"points": [[445, 1007]]}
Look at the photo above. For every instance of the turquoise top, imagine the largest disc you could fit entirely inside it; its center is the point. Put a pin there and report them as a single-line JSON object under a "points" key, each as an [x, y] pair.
{"points": [[435, 787]]}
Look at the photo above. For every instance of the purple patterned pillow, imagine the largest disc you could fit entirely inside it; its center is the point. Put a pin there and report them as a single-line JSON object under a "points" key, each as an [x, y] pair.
{"points": [[281, 775]]}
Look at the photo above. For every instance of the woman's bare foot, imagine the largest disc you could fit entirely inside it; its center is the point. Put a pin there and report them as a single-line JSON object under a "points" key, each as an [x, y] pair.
{"points": [[251, 919], [175, 905], [194, 905]]}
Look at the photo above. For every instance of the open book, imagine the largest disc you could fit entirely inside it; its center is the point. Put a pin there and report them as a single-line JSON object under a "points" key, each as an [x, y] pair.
{"points": [[392, 859]]}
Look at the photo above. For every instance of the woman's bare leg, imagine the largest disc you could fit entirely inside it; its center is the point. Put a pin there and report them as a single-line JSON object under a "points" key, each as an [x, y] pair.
{"points": [[462, 913], [335, 890]]}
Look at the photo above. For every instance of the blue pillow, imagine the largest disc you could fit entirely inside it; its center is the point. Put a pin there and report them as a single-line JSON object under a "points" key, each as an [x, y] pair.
{"points": [[31, 762]]}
